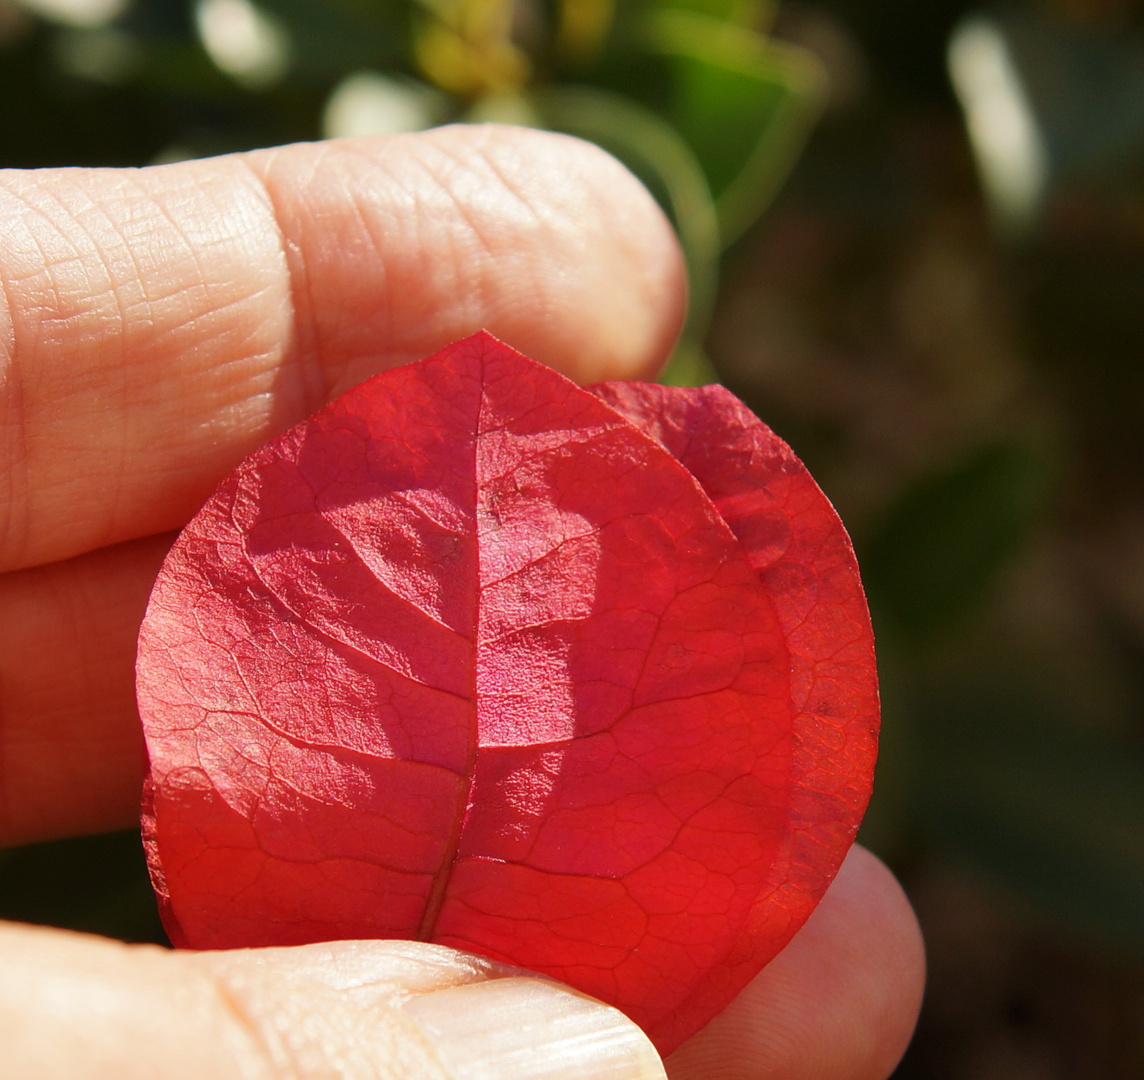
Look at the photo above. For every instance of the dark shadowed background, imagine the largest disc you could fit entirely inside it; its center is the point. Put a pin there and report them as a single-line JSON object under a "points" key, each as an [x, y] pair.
{"points": [[916, 235]]}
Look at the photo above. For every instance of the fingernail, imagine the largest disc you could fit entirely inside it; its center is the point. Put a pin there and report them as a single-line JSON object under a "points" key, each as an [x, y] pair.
{"points": [[529, 1029]]}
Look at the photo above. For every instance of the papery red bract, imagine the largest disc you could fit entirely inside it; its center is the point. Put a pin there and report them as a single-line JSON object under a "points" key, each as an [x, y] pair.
{"points": [[580, 681]]}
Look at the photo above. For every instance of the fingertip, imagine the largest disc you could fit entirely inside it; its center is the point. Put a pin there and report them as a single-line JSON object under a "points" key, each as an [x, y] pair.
{"points": [[160, 323], [868, 894], [838, 1003], [526, 1028], [612, 279], [871, 949], [74, 1005], [543, 239], [421, 1010]]}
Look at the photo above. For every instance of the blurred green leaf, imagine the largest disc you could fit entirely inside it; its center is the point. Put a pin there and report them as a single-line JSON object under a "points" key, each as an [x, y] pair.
{"points": [[182, 67], [689, 366], [940, 546], [744, 104], [335, 37], [751, 13], [1056, 816]]}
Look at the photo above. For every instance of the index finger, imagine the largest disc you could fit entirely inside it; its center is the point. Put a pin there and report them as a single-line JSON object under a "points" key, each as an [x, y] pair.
{"points": [[157, 324]]}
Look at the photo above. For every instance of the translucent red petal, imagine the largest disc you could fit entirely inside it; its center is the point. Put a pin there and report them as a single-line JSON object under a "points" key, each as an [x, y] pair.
{"points": [[582, 681]]}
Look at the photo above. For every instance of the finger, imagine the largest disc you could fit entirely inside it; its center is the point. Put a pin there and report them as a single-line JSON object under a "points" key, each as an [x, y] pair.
{"points": [[71, 749], [157, 324], [838, 1003], [150, 379], [75, 1007]]}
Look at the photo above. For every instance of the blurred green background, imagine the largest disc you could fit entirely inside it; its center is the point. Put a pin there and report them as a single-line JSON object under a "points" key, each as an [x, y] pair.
{"points": [[916, 236]]}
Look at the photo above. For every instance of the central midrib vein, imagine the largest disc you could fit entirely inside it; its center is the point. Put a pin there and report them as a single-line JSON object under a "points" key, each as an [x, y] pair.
{"points": [[436, 899]]}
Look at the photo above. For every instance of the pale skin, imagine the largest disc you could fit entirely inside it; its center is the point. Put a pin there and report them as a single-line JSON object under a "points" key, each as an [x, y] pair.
{"points": [[155, 326]]}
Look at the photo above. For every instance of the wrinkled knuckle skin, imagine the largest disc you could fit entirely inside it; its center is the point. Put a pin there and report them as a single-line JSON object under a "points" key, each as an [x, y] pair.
{"points": [[13, 444], [280, 1025]]}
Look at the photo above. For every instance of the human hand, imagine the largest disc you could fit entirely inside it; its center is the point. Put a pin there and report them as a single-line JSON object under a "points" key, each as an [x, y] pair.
{"points": [[157, 325]]}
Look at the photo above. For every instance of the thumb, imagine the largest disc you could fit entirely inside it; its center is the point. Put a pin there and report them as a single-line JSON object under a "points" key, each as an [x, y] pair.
{"points": [[83, 1007]]}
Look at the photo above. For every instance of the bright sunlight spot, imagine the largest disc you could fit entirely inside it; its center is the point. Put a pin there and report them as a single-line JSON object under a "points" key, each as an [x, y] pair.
{"points": [[76, 12], [1006, 140], [366, 103], [243, 41]]}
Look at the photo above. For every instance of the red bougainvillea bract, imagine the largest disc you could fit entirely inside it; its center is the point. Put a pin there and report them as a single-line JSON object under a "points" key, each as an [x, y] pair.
{"points": [[578, 679]]}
